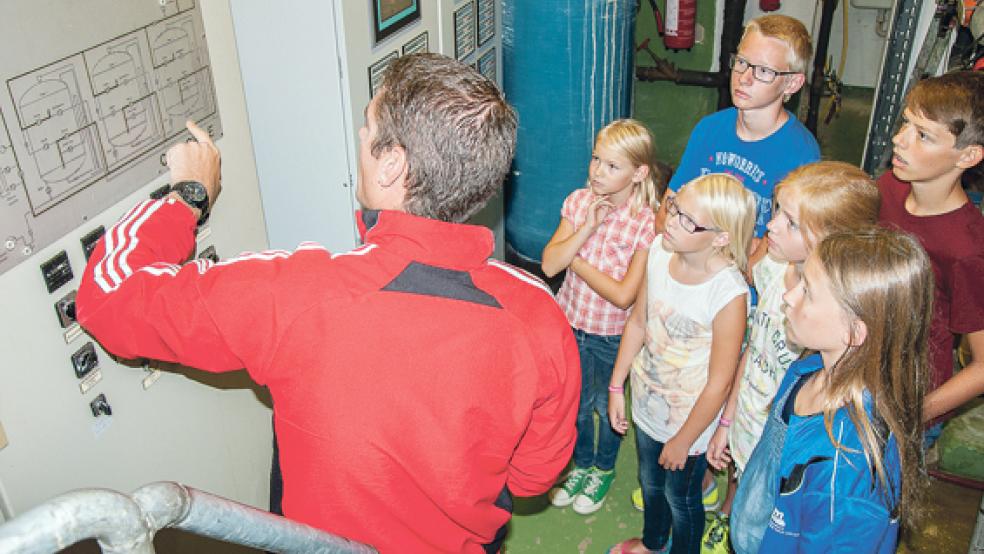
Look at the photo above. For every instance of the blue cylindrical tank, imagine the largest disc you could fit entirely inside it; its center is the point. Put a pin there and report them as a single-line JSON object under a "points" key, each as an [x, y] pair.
{"points": [[567, 68]]}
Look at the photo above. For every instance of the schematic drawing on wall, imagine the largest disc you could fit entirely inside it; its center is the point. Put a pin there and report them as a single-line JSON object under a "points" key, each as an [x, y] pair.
{"points": [[95, 117]]}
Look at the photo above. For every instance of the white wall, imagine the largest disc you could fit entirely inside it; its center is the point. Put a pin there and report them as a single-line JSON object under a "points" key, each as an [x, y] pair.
{"points": [[864, 46]]}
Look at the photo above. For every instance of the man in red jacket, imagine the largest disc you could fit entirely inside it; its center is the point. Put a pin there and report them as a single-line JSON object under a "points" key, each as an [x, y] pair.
{"points": [[417, 383]]}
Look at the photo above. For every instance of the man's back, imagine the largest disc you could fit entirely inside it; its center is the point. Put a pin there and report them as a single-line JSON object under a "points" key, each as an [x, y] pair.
{"points": [[413, 379]]}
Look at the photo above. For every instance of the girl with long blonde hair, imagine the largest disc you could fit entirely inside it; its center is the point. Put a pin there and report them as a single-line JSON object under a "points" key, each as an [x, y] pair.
{"points": [[839, 466]]}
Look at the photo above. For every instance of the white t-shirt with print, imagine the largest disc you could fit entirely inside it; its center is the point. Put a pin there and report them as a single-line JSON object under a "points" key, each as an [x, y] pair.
{"points": [[769, 356], [671, 370]]}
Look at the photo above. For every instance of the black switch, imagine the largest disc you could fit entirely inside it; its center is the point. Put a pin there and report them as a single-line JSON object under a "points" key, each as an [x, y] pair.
{"points": [[57, 271], [161, 191], [90, 239], [100, 406], [65, 308], [209, 254], [84, 360]]}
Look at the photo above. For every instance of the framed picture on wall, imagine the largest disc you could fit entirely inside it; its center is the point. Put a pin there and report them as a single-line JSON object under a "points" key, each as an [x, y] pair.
{"points": [[377, 70], [486, 65], [389, 16], [486, 21], [417, 44], [464, 31]]}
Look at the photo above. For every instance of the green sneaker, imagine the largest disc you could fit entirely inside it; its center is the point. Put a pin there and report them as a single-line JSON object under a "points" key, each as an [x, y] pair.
{"points": [[595, 489], [715, 540], [564, 494]]}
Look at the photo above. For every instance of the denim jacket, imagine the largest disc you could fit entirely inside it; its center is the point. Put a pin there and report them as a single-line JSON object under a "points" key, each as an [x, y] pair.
{"points": [[828, 499]]}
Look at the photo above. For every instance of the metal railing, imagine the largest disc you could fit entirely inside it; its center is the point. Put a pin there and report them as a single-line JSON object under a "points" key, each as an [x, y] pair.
{"points": [[125, 524]]}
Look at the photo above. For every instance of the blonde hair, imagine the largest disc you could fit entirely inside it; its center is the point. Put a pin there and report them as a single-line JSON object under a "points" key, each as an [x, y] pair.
{"points": [[730, 207], [633, 140], [884, 279], [832, 197], [790, 31]]}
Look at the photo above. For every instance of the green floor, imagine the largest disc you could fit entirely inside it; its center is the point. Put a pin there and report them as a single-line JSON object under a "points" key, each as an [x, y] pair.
{"points": [[539, 527]]}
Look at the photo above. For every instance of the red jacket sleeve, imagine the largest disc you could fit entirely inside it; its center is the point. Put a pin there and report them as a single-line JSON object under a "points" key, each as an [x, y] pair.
{"points": [[547, 445], [138, 302]]}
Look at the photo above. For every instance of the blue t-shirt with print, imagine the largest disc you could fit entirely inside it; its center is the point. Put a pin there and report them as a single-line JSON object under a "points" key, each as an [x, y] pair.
{"points": [[714, 147]]}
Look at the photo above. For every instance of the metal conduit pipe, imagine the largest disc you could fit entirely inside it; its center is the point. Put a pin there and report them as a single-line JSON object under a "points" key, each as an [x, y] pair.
{"points": [[112, 518], [169, 504], [819, 62], [731, 30]]}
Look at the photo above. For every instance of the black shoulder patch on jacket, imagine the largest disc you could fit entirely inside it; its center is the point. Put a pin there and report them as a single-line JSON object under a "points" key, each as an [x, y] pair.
{"points": [[428, 280], [370, 218], [792, 483]]}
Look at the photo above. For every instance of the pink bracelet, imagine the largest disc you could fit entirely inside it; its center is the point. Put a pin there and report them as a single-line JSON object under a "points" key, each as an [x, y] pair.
{"points": [[615, 389], [724, 422]]}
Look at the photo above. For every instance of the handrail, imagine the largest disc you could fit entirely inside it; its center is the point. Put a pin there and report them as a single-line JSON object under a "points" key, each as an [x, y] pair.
{"points": [[126, 524]]}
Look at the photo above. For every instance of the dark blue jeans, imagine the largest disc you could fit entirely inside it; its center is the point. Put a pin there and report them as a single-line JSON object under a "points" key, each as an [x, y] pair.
{"points": [[672, 499], [597, 360]]}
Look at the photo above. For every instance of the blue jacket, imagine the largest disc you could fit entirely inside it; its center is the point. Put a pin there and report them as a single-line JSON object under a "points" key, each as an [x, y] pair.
{"points": [[829, 500]]}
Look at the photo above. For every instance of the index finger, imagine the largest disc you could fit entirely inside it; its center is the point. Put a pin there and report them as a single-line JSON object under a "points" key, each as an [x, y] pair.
{"points": [[201, 135]]}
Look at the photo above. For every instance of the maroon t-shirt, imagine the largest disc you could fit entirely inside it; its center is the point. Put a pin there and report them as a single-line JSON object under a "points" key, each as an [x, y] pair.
{"points": [[955, 244]]}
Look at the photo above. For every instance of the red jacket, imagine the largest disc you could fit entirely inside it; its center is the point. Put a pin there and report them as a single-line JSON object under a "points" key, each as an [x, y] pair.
{"points": [[412, 378]]}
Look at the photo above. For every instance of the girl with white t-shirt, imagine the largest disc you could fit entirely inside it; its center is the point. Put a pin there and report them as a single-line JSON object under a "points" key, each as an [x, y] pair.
{"points": [[682, 343]]}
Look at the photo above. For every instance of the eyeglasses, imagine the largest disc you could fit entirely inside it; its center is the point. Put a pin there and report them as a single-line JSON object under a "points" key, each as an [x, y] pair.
{"points": [[761, 73], [687, 222]]}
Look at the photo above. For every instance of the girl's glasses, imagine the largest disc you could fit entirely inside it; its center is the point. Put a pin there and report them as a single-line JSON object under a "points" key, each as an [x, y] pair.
{"points": [[687, 222], [761, 73]]}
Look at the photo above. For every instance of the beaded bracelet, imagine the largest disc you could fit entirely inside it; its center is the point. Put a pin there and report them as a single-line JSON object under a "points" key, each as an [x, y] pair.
{"points": [[615, 389]]}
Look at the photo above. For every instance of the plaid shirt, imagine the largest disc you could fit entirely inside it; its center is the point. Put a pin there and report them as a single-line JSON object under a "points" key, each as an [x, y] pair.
{"points": [[609, 249]]}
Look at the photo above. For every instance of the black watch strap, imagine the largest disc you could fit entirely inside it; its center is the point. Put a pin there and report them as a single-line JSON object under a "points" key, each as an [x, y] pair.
{"points": [[196, 195]]}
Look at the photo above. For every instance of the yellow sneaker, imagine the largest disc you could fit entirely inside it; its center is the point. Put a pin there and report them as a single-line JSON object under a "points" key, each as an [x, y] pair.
{"points": [[637, 500], [715, 540], [711, 497]]}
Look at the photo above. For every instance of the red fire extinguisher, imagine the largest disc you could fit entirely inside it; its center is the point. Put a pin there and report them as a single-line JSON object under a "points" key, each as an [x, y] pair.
{"points": [[769, 5], [681, 19]]}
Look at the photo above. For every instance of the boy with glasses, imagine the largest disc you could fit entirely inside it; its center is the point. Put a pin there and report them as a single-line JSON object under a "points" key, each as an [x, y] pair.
{"points": [[758, 140]]}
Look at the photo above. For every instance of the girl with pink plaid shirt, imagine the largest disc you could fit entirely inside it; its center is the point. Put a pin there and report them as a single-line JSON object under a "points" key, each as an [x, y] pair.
{"points": [[603, 241]]}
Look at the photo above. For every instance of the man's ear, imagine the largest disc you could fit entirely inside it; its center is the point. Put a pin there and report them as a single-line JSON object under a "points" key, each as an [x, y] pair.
{"points": [[970, 156], [392, 166]]}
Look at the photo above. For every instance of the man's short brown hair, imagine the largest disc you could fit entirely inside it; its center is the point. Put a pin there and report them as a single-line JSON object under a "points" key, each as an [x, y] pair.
{"points": [[955, 100], [458, 132]]}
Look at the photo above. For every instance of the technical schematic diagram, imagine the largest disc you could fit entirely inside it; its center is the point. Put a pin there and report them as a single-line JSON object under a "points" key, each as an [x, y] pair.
{"points": [[59, 136], [183, 78], [122, 80], [16, 235], [86, 116]]}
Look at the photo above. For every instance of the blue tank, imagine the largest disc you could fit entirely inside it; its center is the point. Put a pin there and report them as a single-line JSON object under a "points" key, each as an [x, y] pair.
{"points": [[568, 69]]}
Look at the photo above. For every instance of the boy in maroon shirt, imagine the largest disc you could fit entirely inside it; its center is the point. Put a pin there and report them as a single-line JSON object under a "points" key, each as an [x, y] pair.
{"points": [[941, 137]]}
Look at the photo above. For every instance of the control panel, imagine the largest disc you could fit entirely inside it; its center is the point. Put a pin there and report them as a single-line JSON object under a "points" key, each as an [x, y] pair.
{"points": [[94, 93]]}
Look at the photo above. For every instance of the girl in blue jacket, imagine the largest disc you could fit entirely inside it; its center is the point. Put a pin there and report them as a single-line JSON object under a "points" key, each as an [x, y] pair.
{"points": [[839, 465]]}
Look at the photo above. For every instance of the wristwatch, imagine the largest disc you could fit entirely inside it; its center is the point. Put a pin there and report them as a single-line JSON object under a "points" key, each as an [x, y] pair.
{"points": [[196, 195]]}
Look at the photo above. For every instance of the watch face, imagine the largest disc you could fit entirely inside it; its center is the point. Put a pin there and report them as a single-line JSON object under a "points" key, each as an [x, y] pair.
{"points": [[193, 191]]}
